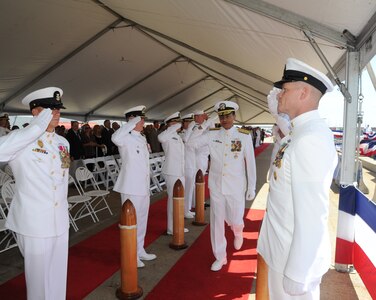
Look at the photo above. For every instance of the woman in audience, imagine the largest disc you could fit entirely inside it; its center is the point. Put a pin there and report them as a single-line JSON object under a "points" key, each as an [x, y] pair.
{"points": [[100, 147], [88, 141]]}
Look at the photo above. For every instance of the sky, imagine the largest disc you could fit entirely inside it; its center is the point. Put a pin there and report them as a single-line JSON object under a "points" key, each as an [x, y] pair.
{"points": [[332, 104]]}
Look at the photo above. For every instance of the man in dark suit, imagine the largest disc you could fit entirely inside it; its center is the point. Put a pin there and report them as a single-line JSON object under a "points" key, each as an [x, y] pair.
{"points": [[107, 132], [74, 138]]}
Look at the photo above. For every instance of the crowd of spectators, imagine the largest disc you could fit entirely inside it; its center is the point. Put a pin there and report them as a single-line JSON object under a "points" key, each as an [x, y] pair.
{"points": [[89, 142], [258, 135]]}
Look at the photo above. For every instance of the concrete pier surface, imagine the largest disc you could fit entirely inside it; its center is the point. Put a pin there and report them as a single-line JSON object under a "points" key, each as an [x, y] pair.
{"points": [[335, 285]]}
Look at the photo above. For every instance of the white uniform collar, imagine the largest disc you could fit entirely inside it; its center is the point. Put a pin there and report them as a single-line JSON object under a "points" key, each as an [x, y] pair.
{"points": [[231, 130], [303, 118]]}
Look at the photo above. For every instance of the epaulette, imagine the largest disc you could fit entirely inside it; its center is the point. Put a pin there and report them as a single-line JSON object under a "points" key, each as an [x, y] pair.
{"points": [[245, 131], [214, 128]]}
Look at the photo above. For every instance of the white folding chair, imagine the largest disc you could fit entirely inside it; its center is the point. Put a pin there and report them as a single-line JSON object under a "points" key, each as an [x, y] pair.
{"points": [[98, 195], [155, 175], [7, 238], [100, 169], [4, 177], [8, 170], [7, 193], [112, 171], [159, 164], [79, 206]]}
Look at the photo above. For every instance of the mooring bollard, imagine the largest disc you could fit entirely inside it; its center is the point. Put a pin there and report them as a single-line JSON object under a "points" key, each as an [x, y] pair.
{"points": [[129, 288], [262, 290], [200, 200], [178, 217]]}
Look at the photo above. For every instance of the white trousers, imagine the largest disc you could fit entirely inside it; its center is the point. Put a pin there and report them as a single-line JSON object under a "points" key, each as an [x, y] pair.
{"points": [[229, 208], [189, 189], [276, 291], [141, 205], [46, 262], [170, 182]]}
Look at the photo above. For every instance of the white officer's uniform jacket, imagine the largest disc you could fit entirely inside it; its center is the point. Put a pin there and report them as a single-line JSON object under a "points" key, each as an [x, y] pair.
{"points": [[40, 164], [201, 153], [232, 160], [294, 238], [134, 177], [189, 151], [173, 148]]}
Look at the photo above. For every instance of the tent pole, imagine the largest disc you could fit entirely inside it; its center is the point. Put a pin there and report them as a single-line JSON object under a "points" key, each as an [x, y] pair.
{"points": [[348, 177]]}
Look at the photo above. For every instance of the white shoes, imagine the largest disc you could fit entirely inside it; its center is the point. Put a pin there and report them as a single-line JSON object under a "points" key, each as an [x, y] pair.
{"points": [[238, 242], [218, 264], [189, 215], [147, 256], [140, 264], [185, 231]]}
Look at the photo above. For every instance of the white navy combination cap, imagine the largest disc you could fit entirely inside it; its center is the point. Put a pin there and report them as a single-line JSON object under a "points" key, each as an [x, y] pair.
{"points": [[188, 117], [225, 107], [296, 70], [49, 97], [175, 117], [198, 112], [137, 111]]}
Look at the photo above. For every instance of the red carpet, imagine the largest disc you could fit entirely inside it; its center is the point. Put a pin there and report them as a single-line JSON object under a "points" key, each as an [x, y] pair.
{"points": [[261, 148], [191, 278], [93, 260]]}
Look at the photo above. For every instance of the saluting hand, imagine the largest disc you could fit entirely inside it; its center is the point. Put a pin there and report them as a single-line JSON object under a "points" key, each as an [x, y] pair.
{"points": [[133, 122], [273, 101], [43, 119]]}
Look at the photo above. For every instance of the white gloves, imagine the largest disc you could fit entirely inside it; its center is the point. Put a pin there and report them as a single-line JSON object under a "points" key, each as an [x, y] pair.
{"points": [[250, 195], [273, 101], [174, 127], [283, 122], [295, 288], [211, 121], [191, 125], [42, 119], [133, 122]]}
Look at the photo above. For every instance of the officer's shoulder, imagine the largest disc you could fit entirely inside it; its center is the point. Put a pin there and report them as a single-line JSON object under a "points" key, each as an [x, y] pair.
{"points": [[62, 139], [214, 129], [244, 131]]}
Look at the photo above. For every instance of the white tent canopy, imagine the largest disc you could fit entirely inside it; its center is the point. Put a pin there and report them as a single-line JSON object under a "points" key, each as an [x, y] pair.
{"points": [[170, 55]]}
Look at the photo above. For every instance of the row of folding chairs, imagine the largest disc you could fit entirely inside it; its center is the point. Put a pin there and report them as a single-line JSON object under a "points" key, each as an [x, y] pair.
{"points": [[105, 169], [89, 200]]}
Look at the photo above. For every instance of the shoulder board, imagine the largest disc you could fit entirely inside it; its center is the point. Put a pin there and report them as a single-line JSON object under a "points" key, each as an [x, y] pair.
{"points": [[245, 131], [214, 128]]}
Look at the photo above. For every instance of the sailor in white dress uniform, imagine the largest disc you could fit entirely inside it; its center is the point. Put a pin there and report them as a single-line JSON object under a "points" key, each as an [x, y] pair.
{"points": [[190, 165], [294, 239], [38, 214], [133, 182], [232, 178], [173, 165]]}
